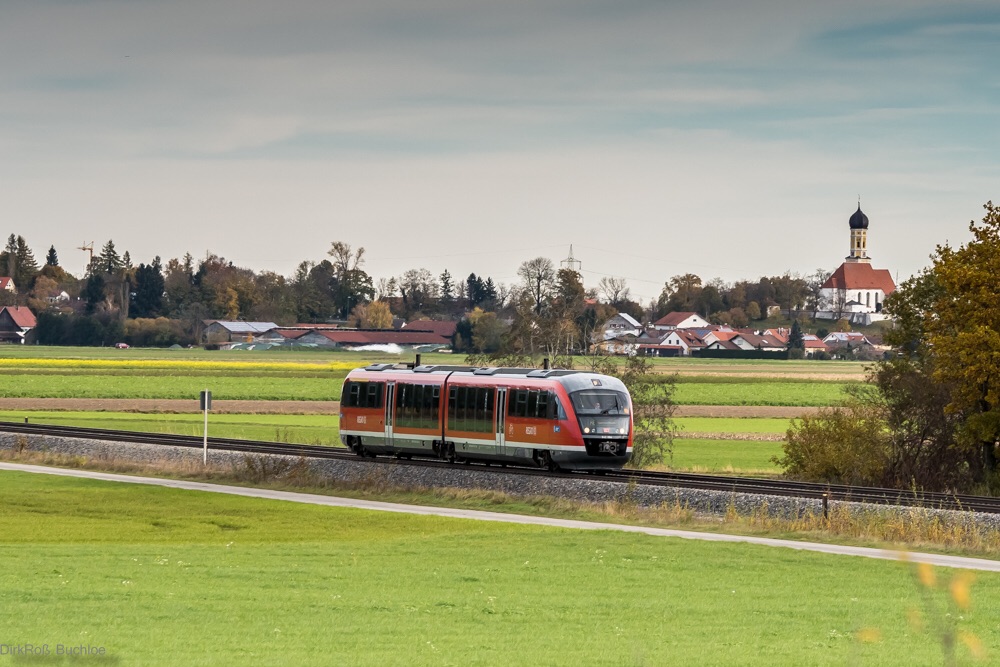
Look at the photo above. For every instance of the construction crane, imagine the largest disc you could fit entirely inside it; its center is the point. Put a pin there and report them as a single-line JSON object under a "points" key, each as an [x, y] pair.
{"points": [[89, 247]]}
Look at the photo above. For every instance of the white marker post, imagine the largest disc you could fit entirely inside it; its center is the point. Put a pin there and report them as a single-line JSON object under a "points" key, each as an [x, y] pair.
{"points": [[205, 403]]}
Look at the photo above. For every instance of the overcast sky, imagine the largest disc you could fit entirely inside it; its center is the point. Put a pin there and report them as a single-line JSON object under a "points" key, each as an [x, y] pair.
{"points": [[722, 138]]}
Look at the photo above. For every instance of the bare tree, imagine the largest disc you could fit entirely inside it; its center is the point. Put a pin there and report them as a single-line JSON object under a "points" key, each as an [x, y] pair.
{"points": [[814, 290], [539, 276], [613, 290], [386, 288], [345, 260]]}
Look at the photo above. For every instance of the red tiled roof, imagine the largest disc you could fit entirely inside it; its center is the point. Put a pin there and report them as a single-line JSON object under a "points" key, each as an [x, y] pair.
{"points": [[440, 327], [22, 316], [727, 345], [4, 282], [673, 319], [761, 341], [859, 275], [689, 337], [292, 333]]}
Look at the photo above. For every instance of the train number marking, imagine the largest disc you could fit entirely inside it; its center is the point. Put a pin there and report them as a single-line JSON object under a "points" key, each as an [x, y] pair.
{"points": [[362, 419], [531, 430]]}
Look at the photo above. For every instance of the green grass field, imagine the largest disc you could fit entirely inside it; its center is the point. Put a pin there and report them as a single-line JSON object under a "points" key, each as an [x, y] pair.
{"points": [[307, 386], [299, 429], [232, 387], [757, 391], [725, 456], [168, 577], [768, 425]]}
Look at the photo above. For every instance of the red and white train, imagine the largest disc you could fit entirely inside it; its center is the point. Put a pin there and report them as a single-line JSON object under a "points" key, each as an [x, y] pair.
{"points": [[559, 419]]}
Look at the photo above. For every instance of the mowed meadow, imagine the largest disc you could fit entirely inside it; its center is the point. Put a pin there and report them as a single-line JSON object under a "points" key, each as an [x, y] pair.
{"points": [[159, 576], [735, 436]]}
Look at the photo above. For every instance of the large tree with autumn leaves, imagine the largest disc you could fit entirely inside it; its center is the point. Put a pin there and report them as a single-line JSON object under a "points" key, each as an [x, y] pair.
{"points": [[963, 332], [930, 417]]}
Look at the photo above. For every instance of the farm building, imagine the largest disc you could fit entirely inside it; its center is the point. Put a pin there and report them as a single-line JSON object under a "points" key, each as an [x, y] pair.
{"points": [[354, 338], [224, 331], [16, 324], [446, 328]]}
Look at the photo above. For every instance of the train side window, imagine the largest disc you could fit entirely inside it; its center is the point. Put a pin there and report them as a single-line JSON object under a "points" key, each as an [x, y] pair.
{"points": [[522, 408], [533, 403], [416, 398], [456, 408], [452, 407], [432, 399], [373, 397], [484, 409], [352, 393], [543, 405], [555, 410]]}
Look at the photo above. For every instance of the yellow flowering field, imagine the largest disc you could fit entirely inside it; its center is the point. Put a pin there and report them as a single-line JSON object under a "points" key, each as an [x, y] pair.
{"points": [[21, 364]]}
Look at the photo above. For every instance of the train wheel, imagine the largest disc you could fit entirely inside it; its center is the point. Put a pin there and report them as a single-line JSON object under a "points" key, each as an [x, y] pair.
{"points": [[545, 461], [450, 455], [355, 445]]}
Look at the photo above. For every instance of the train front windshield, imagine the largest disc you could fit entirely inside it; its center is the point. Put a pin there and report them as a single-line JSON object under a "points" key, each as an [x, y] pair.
{"points": [[602, 413]]}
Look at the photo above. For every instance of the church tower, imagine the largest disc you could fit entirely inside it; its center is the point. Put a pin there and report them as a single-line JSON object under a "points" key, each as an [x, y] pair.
{"points": [[859, 238]]}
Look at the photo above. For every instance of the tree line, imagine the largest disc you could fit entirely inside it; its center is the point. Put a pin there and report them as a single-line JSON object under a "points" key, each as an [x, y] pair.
{"points": [[546, 311]]}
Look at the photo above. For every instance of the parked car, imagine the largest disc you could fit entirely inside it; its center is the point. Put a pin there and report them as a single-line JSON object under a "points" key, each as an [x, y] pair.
{"points": [[121, 346]]}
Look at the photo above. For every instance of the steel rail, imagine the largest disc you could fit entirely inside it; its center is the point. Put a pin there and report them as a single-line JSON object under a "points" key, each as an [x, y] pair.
{"points": [[772, 487]]}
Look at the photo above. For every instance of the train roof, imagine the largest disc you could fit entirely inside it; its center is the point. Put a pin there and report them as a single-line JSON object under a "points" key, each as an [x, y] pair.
{"points": [[573, 379]]}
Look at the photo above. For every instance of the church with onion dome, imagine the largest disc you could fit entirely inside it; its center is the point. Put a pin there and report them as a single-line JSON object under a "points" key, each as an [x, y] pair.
{"points": [[856, 290]]}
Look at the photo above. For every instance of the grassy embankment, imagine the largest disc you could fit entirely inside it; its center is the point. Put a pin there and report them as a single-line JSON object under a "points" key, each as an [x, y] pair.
{"points": [[164, 577]]}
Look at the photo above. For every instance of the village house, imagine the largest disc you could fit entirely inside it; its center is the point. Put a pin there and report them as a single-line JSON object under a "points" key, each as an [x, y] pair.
{"points": [[7, 284], [621, 325], [672, 321], [17, 324]]}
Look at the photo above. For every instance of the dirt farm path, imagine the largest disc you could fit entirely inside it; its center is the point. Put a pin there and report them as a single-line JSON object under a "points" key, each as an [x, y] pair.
{"points": [[326, 407]]}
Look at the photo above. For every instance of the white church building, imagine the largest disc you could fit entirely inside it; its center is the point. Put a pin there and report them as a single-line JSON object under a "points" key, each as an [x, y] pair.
{"points": [[856, 291]]}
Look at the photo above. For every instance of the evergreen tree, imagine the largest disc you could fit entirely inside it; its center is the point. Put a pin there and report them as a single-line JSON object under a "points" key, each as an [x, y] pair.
{"points": [[27, 267], [795, 341], [447, 289], [93, 292], [489, 291], [147, 300], [109, 262], [475, 290], [52, 259], [9, 257]]}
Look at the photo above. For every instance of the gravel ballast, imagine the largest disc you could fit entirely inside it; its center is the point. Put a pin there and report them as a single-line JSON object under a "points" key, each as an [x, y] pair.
{"points": [[388, 473]]}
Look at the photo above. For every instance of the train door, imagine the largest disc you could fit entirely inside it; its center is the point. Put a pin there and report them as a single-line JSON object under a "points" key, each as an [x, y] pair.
{"points": [[501, 420], [390, 402]]}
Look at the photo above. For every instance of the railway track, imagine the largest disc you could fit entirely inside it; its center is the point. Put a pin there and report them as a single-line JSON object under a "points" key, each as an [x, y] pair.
{"points": [[771, 487]]}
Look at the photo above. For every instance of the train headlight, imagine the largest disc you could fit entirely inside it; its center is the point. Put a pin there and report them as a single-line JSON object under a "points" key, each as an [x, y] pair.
{"points": [[621, 430], [586, 429]]}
